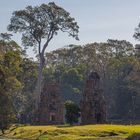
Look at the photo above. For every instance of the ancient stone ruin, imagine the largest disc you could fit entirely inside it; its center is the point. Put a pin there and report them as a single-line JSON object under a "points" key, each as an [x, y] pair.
{"points": [[51, 107], [93, 106]]}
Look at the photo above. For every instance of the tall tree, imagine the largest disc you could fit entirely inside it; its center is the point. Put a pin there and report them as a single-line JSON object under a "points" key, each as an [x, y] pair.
{"points": [[39, 25], [137, 37], [25, 101], [10, 60]]}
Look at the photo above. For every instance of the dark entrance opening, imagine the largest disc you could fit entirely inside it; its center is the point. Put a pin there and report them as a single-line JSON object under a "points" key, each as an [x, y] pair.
{"points": [[52, 118], [98, 117]]}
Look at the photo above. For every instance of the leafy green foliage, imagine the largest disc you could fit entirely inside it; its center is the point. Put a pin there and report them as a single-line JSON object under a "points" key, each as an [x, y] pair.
{"points": [[25, 102], [41, 22], [10, 59], [116, 63], [7, 115], [38, 26], [72, 112]]}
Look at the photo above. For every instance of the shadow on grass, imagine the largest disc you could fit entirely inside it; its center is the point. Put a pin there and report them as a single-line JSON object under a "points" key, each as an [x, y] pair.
{"points": [[135, 136]]}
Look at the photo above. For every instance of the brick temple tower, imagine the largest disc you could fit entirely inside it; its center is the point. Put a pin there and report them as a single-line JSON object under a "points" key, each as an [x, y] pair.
{"points": [[51, 107], [93, 106]]}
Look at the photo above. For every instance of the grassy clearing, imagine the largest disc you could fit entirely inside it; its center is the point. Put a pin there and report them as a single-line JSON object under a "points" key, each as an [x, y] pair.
{"points": [[86, 132]]}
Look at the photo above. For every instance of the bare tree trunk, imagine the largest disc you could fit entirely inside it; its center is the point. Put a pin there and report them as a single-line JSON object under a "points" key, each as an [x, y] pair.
{"points": [[40, 77]]}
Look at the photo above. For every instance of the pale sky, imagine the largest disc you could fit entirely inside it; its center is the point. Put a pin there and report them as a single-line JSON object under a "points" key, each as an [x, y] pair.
{"points": [[99, 20]]}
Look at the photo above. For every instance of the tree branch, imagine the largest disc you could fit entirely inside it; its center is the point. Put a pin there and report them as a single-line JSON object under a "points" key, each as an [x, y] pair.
{"points": [[50, 36]]}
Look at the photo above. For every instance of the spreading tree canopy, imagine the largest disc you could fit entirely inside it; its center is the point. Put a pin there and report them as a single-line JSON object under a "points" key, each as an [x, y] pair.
{"points": [[39, 25]]}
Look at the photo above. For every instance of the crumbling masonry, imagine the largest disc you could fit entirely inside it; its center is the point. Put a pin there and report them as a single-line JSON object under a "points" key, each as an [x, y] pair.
{"points": [[51, 107], [93, 106]]}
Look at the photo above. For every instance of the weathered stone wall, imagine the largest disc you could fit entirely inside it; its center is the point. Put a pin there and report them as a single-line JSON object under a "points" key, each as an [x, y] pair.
{"points": [[93, 106], [51, 107]]}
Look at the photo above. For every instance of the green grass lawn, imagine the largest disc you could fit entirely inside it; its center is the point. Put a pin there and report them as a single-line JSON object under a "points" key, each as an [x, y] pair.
{"points": [[85, 132]]}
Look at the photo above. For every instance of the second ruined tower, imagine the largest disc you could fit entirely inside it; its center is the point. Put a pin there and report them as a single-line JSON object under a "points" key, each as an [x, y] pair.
{"points": [[93, 106]]}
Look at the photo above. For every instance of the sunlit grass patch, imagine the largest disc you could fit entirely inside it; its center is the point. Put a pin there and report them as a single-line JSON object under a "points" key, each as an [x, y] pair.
{"points": [[85, 132]]}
